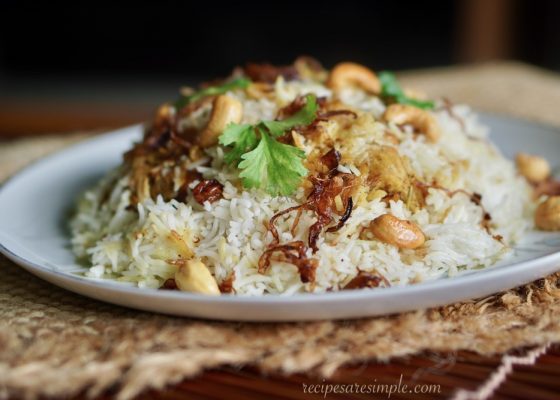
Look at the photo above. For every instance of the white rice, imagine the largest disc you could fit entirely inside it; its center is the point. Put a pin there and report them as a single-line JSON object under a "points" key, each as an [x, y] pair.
{"points": [[230, 235]]}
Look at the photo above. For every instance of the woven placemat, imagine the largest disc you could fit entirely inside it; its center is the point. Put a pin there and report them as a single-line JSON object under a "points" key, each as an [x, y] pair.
{"points": [[55, 343]]}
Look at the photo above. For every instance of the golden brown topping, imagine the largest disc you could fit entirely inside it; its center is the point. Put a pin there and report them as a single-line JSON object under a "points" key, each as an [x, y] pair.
{"points": [[169, 284], [309, 68], [194, 276], [331, 159], [226, 286], [297, 140], [259, 90], [397, 232], [164, 113], [366, 280], [292, 108], [293, 253], [158, 135], [534, 168], [269, 73], [324, 116], [421, 120], [327, 188], [208, 190], [195, 153], [389, 171], [547, 215], [392, 138], [347, 214], [322, 201], [194, 106], [225, 110], [349, 74]]}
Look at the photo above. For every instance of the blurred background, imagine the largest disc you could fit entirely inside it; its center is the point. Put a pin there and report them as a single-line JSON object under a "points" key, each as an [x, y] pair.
{"points": [[67, 66]]}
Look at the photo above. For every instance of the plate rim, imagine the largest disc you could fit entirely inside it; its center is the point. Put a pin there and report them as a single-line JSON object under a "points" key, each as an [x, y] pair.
{"points": [[439, 284]]}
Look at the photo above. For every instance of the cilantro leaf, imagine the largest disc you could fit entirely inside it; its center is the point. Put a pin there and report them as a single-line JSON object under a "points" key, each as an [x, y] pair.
{"points": [[242, 137], [266, 163], [303, 117], [424, 104], [390, 88], [239, 83], [389, 85], [273, 166]]}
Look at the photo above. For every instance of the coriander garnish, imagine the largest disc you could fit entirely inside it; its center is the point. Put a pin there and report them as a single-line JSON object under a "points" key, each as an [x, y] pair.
{"points": [[266, 163]]}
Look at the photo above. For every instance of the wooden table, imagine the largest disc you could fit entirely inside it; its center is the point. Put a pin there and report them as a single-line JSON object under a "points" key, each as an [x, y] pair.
{"points": [[441, 374], [450, 371]]}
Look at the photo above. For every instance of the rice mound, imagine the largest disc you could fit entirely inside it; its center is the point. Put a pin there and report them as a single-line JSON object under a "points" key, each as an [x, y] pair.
{"points": [[133, 241]]}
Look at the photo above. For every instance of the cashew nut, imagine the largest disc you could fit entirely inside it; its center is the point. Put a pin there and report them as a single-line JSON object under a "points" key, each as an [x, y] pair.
{"points": [[225, 110], [547, 215], [398, 232], [536, 169], [194, 276], [423, 121], [353, 75], [259, 90]]}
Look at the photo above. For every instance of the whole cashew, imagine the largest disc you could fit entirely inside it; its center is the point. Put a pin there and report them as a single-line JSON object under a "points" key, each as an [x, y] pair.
{"points": [[534, 168], [194, 276], [348, 74], [423, 121], [398, 232], [547, 215], [225, 110], [259, 90]]}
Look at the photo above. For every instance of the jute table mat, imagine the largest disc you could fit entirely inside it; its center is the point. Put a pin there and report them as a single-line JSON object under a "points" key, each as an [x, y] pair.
{"points": [[55, 343]]}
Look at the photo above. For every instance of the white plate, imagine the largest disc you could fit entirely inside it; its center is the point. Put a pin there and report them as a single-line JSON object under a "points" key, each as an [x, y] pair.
{"points": [[34, 207]]}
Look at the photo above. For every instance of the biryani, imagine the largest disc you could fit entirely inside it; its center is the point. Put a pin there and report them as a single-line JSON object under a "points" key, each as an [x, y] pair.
{"points": [[282, 180]]}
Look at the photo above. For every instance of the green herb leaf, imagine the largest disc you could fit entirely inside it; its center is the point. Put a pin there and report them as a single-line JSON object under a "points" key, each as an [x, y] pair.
{"points": [[239, 83], [390, 88], [424, 104], [273, 166], [303, 117], [389, 85], [242, 138], [266, 163]]}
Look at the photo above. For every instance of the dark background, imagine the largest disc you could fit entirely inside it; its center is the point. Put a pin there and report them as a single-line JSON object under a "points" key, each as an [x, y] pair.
{"points": [[132, 56]]}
